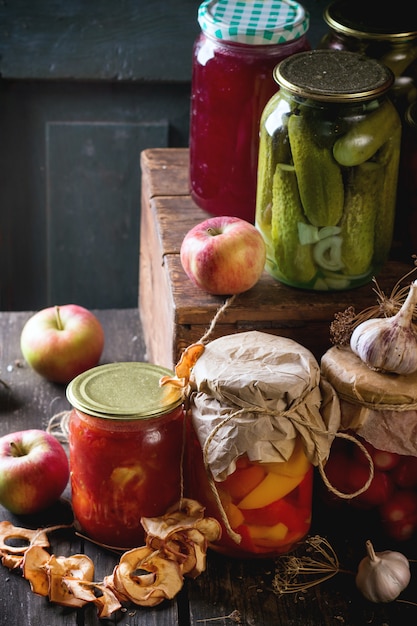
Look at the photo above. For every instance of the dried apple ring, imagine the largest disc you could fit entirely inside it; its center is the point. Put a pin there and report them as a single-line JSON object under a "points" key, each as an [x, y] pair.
{"points": [[32, 537], [146, 577], [34, 561], [77, 566]]}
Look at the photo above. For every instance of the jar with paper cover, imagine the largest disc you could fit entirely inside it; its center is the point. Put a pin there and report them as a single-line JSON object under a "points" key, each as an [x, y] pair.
{"points": [[380, 410], [259, 421]]}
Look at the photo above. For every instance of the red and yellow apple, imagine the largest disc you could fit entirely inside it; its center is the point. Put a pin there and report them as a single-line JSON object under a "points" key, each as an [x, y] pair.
{"points": [[223, 255], [34, 471], [61, 342]]}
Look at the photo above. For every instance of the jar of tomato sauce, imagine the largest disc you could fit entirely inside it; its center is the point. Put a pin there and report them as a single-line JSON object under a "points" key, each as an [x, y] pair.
{"points": [[259, 423], [125, 442], [233, 61]]}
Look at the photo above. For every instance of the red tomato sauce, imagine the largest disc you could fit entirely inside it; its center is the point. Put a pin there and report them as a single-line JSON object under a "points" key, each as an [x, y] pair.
{"points": [[122, 470]]}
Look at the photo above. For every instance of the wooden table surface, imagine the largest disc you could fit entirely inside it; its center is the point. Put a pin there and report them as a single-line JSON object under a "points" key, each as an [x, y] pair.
{"points": [[230, 591]]}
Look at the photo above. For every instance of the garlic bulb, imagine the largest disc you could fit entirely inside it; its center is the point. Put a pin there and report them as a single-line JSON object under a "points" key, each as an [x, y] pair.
{"points": [[382, 576], [389, 344]]}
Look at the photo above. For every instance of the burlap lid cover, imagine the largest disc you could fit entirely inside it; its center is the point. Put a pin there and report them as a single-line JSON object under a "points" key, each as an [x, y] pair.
{"points": [[254, 393], [380, 407]]}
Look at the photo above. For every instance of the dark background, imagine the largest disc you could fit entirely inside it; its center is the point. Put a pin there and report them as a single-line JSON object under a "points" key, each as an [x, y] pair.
{"points": [[84, 88]]}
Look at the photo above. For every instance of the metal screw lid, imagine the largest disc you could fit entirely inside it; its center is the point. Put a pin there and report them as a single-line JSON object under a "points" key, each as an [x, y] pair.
{"points": [[127, 391], [333, 76], [373, 19], [259, 22]]}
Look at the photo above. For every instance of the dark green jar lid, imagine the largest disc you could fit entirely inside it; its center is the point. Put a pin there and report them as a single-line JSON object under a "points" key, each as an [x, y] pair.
{"points": [[127, 391], [333, 76]]}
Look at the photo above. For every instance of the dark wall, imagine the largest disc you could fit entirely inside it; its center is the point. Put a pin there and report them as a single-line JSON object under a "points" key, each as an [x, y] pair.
{"points": [[84, 88]]}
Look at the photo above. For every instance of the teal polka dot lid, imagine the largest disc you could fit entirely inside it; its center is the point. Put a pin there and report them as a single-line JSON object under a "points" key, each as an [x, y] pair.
{"points": [[257, 22]]}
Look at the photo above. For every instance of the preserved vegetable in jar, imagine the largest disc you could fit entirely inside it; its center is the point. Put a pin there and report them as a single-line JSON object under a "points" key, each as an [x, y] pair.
{"points": [[257, 428], [125, 437], [232, 79], [328, 169], [380, 410]]}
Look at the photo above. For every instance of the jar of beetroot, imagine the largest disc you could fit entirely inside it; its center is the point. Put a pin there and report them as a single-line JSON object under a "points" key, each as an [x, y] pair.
{"points": [[380, 411], [233, 61], [125, 438], [259, 422]]}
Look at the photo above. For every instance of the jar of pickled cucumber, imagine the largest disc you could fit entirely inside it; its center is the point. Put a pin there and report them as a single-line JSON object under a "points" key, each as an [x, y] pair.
{"points": [[260, 420], [328, 170], [232, 79]]}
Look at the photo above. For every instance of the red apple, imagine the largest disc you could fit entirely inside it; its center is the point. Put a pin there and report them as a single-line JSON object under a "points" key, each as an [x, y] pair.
{"points": [[61, 342], [223, 255], [34, 471]]}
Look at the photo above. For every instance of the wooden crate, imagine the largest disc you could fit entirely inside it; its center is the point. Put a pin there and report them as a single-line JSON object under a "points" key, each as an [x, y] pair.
{"points": [[174, 313]]}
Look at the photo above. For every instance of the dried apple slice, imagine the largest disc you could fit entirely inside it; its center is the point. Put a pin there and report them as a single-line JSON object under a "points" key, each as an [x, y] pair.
{"points": [[105, 600], [34, 562], [30, 537], [78, 566], [146, 577], [11, 561]]}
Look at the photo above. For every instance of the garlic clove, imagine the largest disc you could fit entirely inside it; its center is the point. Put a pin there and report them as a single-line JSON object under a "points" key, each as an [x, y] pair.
{"points": [[389, 344], [382, 576]]}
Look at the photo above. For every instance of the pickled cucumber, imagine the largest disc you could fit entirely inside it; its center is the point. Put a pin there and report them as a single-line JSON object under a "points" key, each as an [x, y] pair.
{"points": [[365, 137], [389, 158], [319, 177], [273, 149], [362, 201], [294, 261]]}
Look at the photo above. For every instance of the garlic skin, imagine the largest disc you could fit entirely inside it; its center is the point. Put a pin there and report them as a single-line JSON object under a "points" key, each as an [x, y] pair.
{"points": [[389, 344], [382, 576]]}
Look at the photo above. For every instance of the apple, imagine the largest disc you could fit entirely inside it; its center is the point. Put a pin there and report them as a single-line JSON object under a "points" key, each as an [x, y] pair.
{"points": [[34, 471], [223, 255], [60, 342]]}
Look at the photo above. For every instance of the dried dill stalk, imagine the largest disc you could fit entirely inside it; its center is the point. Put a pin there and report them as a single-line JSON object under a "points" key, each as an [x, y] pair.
{"points": [[346, 321]]}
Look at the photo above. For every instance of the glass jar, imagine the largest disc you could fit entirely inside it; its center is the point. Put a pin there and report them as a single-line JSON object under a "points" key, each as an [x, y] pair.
{"points": [[387, 32], [125, 442], [380, 411], [383, 31], [233, 62], [328, 168], [407, 186], [255, 431]]}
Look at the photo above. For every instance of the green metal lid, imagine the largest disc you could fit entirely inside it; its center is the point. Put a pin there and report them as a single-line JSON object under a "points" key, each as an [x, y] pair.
{"points": [[258, 22], [125, 391], [333, 76]]}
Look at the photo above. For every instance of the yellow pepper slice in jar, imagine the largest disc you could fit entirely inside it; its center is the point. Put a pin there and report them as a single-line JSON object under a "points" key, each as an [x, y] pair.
{"points": [[273, 487], [297, 465]]}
